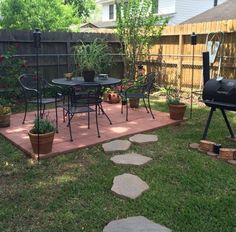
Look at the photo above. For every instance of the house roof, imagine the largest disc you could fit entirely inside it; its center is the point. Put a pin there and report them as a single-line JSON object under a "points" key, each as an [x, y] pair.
{"points": [[224, 11], [105, 24], [97, 30], [88, 25]]}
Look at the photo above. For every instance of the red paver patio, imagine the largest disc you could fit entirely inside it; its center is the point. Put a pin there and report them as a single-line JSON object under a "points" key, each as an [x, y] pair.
{"points": [[139, 121]]}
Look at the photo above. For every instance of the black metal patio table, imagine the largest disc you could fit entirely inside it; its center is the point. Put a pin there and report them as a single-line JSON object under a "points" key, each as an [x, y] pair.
{"points": [[76, 81], [79, 82]]}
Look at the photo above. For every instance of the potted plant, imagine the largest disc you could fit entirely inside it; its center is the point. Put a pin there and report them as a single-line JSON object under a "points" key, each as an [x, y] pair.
{"points": [[91, 59], [132, 87], [5, 112], [68, 76], [42, 135], [176, 108]]}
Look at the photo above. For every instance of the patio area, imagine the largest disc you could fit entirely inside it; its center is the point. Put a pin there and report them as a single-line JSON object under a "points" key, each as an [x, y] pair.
{"points": [[139, 121]]}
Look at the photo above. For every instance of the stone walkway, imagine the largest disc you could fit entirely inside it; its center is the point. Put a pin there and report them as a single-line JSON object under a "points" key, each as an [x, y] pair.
{"points": [[131, 159], [130, 186], [135, 224]]}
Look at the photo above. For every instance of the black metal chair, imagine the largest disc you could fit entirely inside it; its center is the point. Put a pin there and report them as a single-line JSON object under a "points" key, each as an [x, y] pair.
{"points": [[88, 99], [141, 91], [44, 91]]}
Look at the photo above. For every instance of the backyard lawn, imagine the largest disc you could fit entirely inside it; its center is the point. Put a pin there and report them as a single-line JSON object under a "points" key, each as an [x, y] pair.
{"points": [[189, 191]]}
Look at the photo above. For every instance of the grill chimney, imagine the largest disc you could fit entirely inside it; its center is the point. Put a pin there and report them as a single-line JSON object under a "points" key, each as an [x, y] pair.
{"points": [[215, 2]]}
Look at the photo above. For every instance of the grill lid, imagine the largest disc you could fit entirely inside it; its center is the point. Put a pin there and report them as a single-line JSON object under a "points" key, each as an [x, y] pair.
{"points": [[220, 90]]}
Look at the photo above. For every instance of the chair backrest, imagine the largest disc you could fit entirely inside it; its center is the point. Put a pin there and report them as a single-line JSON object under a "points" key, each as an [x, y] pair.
{"points": [[149, 82], [89, 94], [29, 81]]}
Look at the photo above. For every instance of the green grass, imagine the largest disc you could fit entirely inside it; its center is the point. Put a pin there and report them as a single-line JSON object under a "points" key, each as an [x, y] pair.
{"points": [[189, 191]]}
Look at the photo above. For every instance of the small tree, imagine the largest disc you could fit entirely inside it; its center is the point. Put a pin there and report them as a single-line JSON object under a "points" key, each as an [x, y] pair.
{"points": [[83, 8], [137, 29], [48, 15]]}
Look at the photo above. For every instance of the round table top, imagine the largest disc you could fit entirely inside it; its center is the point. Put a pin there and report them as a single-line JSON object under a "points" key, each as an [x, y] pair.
{"points": [[80, 80]]}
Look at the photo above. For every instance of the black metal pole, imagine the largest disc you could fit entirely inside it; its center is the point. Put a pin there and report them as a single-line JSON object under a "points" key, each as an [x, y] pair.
{"points": [[193, 42], [227, 123], [37, 41], [208, 123]]}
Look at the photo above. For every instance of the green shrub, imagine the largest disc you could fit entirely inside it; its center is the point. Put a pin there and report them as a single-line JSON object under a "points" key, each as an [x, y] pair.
{"points": [[172, 95], [11, 67], [93, 56], [5, 106], [42, 126]]}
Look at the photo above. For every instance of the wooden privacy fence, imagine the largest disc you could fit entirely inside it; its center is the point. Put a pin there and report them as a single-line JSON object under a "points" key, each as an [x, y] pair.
{"points": [[170, 57], [172, 54], [55, 53]]}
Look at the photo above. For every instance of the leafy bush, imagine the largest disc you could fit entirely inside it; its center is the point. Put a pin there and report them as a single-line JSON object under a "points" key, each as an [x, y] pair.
{"points": [[42, 126], [93, 56], [5, 106], [136, 84], [10, 67], [172, 95]]}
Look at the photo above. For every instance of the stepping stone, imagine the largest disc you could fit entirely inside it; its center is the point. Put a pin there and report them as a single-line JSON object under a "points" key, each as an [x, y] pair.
{"points": [[116, 145], [231, 139], [134, 224], [232, 162], [128, 185], [142, 138], [130, 159], [194, 146], [212, 154]]}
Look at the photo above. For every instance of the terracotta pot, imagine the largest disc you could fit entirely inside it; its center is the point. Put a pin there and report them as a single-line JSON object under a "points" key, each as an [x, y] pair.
{"points": [[134, 102], [113, 98], [88, 75], [177, 111], [106, 97], [5, 120], [45, 142]]}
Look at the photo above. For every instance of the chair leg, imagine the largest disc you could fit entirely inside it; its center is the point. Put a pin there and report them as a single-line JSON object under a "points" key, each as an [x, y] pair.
{"points": [[127, 109], [100, 108], [96, 111], [123, 102], [103, 112], [42, 113], [63, 110], [64, 116], [88, 118], [69, 125], [145, 105], [26, 107], [56, 116], [150, 109]]}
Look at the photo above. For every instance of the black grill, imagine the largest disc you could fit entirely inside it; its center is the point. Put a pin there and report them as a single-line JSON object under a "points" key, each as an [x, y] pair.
{"points": [[220, 94]]}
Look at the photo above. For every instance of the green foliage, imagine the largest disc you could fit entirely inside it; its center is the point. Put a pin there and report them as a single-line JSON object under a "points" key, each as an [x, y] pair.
{"points": [[10, 67], [83, 8], [5, 106], [189, 191], [93, 56], [137, 29], [42, 126], [30, 14], [134, 85], [172, 95]]}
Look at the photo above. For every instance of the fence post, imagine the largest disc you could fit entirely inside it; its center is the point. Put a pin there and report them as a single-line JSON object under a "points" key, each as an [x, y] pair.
{"points": [[68, 51], [180, 60]]}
